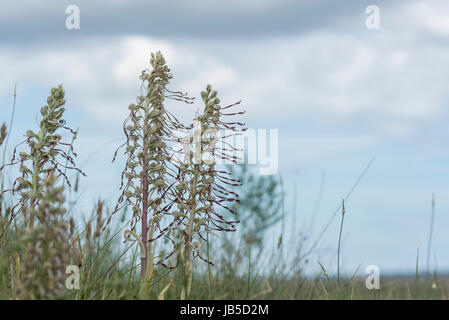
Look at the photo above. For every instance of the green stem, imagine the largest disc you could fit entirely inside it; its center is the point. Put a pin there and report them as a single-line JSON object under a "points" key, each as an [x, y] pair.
{"points": [[10, 127], [211, 290], [189, 237], [249, 273], [430, 234], [6, 143], [416, 273], [339, 243], [144, 217]]}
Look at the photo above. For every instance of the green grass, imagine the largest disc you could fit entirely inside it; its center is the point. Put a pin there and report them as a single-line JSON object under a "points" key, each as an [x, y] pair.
{"points": [[110, 270]]}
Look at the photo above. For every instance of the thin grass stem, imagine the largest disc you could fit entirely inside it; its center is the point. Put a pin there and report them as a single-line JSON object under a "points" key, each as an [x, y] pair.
{"points": [[339, 241]]}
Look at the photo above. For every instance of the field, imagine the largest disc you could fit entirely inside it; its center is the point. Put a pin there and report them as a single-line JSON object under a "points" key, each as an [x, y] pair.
{"points": [[179, 230]]}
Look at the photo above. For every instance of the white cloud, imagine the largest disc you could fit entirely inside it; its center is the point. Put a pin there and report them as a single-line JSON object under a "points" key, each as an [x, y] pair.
{"points": [[102, 75], [326, 74], [430, 16], [394, 76]]}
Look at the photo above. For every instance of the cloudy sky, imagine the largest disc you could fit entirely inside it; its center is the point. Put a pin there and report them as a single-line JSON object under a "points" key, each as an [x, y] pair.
{"points": [[338, 93]]}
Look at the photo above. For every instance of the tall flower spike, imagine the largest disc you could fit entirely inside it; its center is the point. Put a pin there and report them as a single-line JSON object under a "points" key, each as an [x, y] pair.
{"points": [[46, 153], [149, 176], [206, 190]]}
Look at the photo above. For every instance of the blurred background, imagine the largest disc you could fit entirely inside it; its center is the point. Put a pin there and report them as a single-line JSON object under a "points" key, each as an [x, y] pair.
{"points": [[339, 93]]}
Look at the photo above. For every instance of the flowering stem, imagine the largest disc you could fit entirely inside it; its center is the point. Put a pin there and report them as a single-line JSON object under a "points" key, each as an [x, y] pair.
{"points": [[144, 218], [339, 242]]}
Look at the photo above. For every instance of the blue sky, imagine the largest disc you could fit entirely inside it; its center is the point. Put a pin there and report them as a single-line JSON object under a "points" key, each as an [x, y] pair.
{"points": [[338, 93]]}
